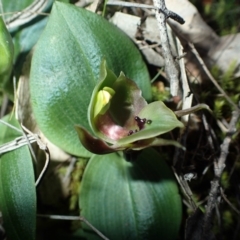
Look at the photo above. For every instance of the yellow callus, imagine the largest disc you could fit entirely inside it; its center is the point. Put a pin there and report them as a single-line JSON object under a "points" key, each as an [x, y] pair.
{"points": [[103, 100]]}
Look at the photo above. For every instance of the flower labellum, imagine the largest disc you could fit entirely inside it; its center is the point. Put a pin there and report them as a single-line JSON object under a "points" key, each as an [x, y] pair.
{"points": [[121, 119]]}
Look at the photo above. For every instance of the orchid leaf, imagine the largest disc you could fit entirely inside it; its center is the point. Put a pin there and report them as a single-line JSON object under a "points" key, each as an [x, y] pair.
{"points": [[6, 53], [13, 7], [25, 36], [66, 68], [134, 200], [17, 187]]}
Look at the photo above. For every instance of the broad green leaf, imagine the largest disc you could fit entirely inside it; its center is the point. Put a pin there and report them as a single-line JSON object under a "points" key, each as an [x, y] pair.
{"points": [[24, 37], [138, 200], [17, 188], [14, 6], [66, 68], [6, 54]]}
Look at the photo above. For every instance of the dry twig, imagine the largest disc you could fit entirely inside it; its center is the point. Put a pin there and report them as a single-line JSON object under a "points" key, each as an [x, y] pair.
{"points": [[74, 218], [129, 4], [44, 148], [16, 143], [29, 13], [219, 165], [185, 189], [228, 202], [162, 14], [193, 109], [171, 68], [187, 95]]}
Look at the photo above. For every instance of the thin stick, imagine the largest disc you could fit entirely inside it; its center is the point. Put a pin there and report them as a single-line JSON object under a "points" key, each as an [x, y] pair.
{"points": [[26, 15], [169, 14], [74, 218], [171, 68], [47, 154], [195, 52], [70, 168], [130, 4], [193, 109], [46, 151], [162, 14], [228, 202], [157, 75], [16, 143], [150, 46], [11, 126], [186, 189], [187, 95], [17, 12], [219, 165], [30, 146]]}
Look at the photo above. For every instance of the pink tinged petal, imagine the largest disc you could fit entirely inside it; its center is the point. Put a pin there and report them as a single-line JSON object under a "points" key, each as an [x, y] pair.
{"points": [[93, 144], [109, 130]]}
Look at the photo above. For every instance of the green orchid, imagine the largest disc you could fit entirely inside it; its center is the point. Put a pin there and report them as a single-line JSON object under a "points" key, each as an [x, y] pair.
{"points": [[121, 119]]}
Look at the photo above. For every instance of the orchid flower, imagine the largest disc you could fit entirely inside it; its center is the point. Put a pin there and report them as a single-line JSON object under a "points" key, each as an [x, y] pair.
{"points": [[121, 119]]}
